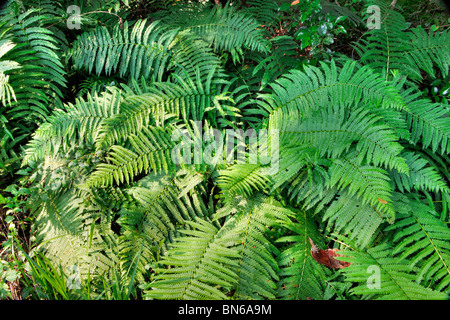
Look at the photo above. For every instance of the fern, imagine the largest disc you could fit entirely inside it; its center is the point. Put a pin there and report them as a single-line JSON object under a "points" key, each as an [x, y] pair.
{"points": [[252, 220], [359, 153], [410, 52], [152, 151], [320, 87], [134, 52], [223, 28], [208, 264], [422, 176], [301, 276], [347, 215], [423, 238], [66, 236], [40, 79], [395, 283], [79, 124]]}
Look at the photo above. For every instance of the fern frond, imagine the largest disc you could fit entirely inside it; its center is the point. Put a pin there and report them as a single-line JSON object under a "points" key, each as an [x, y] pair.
{"points": [[241, 179], [223, 28], [78, 124], [349, 216], [301, 277], [301, 92], [369, 183], [410, 52], [429, 125], [202, 265], [189, 99], [140, 51], [265, 12], [421, 175], [64, 232], [331, 131], [282, 59], [423, 238], [252, 218], [152, 151], [38, 83], [149, 226], [383, 277]]}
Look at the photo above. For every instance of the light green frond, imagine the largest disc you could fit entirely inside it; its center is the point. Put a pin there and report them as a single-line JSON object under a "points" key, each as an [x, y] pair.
{"points": [[203, 264], [381, 276], [143, 50], [423, 238], [151, 150], [348, 215], [299, 93], [252, 218], [301, 277]]}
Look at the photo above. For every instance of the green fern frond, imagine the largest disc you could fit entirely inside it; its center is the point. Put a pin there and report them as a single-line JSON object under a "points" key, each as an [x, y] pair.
{"points": [[203, 264], [252, 219], [429, 125], [152, 150], [265, 12], [282, 59], [393, 48], [423, 238], [331, 131], [299, 93], [381, 276], [421, 176], [369, 183], [223, 28], [142, 51], [41, 78], [149, 227], [348, 215], [301, 277], [64, 232], [241, 179], [188, 99], [78, 124]]}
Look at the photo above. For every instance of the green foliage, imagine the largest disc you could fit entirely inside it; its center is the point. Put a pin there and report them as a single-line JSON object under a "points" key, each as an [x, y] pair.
{"points": [[354, 155]]}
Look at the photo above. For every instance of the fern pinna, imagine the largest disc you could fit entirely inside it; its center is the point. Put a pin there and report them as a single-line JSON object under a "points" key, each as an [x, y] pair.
{"points": [[361, 152]]}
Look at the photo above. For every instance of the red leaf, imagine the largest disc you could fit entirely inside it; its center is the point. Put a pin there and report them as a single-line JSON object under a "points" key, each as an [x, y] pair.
{"points": [[326, 257]]}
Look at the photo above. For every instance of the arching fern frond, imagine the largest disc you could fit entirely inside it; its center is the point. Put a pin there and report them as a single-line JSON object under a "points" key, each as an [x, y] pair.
{"points": [[203, 264], [360, 221], [423, 238], [252, 218], [143, 50], [65, 233], [369, 183], [333, 130], [381, 276], [78, 124], [38, 83], [428, 123], [301, 277], [149, 227], [421, 176], [241, 179], [393, 48], [152, 150], [187, 99], [223, 28], [301, 92]]}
